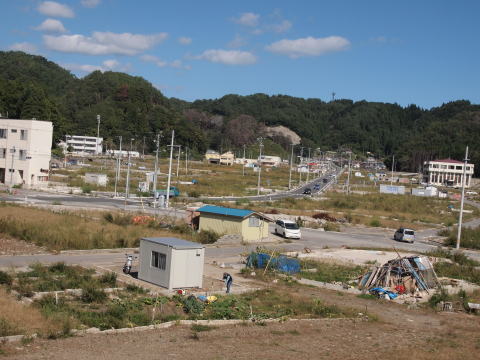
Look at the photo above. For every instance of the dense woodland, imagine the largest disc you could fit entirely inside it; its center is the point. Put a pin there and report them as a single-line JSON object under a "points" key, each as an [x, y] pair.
{"points": [[33, 87]]}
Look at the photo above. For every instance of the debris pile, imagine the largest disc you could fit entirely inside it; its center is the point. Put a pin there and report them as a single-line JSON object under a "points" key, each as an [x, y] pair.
{"points": [[404, 275]]}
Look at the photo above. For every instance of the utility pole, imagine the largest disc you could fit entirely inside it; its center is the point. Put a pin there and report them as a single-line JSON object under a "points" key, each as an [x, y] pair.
{"points": [[143, 148], [12, 170], [119, 164], [167, 200], [155, 172], [393, 163], [291, 165], [348, 176], [308, 166], [178, 160], [243, 162], [301, 162], [260, 140], [98, 134], [464, 180], [186, 160], [127, 183]]}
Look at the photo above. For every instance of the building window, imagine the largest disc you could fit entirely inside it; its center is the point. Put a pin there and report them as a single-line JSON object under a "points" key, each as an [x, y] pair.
{"points": [[22, 155], [23, 134], [159, 260], [13, 131], [3, 153], [253, 221], [3, 133]]}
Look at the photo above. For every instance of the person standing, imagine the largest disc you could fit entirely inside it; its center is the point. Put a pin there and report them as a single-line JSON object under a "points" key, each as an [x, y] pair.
{"points": [[228, 281]]}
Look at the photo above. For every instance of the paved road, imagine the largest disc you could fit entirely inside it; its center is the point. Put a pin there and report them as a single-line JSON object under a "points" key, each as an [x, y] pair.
{"points": [[313, 239]]}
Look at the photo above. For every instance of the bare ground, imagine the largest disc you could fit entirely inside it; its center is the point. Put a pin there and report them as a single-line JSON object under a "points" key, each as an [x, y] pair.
{"points": [[9, 246], [399, 333]]}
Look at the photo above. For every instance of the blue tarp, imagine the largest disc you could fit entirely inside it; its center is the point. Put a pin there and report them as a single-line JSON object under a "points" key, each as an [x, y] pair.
{"points": [[281, 263], [381, 291]]}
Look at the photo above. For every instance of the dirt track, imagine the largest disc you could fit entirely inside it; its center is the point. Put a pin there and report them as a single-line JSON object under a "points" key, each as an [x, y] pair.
{"points": [[399, 334]]}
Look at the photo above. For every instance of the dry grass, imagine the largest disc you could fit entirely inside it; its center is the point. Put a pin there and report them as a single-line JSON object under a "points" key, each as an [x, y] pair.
{"points": [[20, 319], [69, 230]]}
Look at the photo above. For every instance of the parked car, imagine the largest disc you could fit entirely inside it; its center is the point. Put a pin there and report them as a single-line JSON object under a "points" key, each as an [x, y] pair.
{"points": [[307, 191], [316, 187], [325, 180], [470, 192], [287, 228], [403, 234]]}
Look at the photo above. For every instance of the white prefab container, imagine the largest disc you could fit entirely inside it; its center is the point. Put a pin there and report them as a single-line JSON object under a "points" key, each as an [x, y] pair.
{"points": [[97, 179], [392, 189], [171, 263]]}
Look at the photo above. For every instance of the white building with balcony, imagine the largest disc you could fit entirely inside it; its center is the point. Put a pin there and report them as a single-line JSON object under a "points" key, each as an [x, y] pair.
{"points": [[84, 145], [25, 152], [447, 172]]}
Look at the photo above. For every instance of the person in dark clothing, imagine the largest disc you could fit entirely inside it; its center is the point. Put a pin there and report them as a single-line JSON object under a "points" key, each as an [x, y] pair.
{"points": [[228, 281]]}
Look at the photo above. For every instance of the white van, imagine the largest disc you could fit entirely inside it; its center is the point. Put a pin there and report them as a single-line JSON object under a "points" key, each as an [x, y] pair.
{"points": [[288, 229]]}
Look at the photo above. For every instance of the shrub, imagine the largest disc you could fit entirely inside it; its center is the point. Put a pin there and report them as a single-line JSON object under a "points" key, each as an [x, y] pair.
{"points": [[118, 219], [207, 236], [438, 297], [375, 223], [86, 189], [324, 216], [329, 226], [194, 194], [91, 293], [109, 278], [5, 278]]}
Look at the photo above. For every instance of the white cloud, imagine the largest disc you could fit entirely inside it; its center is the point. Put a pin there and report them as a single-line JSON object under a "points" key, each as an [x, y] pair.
{"points": [[25, 47], [237, 42], [228, 57], [107, 65], [248, 19], [281, 27], [153, 59], [184, 40], [51, 25], [55, 9], [103, 43], [178, 64], [90, 3], [309, 46]]}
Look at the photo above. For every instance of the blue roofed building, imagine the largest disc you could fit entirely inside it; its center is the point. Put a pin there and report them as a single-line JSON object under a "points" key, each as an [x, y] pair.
{"points": [[249, 225]]}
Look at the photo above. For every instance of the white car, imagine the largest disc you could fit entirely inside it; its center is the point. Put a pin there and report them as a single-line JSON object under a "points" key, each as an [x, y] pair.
{"points": [[287, 229]]}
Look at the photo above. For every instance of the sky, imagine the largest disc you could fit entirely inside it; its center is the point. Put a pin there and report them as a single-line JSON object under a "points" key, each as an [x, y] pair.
{"points": [[424, 52]]}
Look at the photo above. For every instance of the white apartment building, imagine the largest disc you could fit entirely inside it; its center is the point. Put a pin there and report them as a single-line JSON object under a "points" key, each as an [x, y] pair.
{"points": [[84, 145], [25, 151], [447, 172]]}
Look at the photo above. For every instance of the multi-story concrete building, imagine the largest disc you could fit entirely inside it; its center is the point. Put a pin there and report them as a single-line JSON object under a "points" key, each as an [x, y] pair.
{"points": [[84, 145], [25, 151], [447, 172]]}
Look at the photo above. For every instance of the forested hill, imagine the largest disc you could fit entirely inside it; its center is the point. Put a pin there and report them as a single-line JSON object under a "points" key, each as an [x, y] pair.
{"points": [[31, 86]]}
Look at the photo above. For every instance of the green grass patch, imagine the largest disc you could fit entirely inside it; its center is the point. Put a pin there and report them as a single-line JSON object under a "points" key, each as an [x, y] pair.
{"points": [[330, 272], [470, 238]]}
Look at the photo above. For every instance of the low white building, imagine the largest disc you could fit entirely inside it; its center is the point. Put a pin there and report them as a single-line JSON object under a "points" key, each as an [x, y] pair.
{"points": [[84, 145], [25, 152], [267, 160], [447, 172], [123, 153], [171, 263], [96, 179]]}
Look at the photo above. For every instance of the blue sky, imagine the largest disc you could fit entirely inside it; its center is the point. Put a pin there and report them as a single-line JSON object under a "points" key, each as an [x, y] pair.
{"points": [[425, 52]]}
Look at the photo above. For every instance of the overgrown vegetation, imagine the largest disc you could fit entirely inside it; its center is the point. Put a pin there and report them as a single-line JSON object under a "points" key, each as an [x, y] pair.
{"points": [[330, 271], [470, 237], [58, 277], [461, 267]]}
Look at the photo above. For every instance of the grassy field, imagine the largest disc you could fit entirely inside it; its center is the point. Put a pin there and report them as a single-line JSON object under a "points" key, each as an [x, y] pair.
{"points": [[470, 237], [213, 180], [53, 317], [80, 230], [375, 210]]}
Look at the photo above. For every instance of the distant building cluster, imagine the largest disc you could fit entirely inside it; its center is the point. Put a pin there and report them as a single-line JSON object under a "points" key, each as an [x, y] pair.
{"points": [[83, 145], [447, 172]]}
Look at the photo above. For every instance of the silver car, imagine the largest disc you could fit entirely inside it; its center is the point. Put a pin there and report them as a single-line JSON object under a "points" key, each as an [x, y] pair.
{"points": [[403, 234]]}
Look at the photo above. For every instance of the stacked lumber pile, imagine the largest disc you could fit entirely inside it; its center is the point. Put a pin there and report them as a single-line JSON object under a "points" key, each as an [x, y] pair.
{"points": [[404, 275]]}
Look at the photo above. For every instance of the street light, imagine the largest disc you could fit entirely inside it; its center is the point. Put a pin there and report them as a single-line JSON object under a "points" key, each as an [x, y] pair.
{"points": [[260, 144]]}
